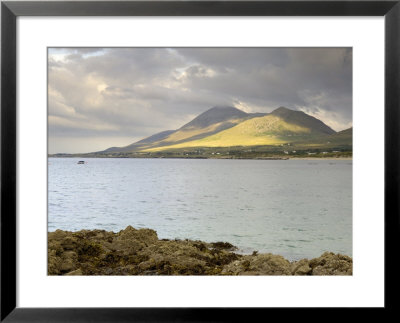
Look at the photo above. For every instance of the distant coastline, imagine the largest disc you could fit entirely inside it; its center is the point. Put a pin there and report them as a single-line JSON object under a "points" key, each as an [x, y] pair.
{"points": [[188, 157], [257, 152]]}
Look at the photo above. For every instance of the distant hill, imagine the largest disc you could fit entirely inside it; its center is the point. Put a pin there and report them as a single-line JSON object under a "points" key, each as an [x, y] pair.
{"points": [[208, 123], [229, 126], [348, 133], [344, 137], [278, 127], [141, 144], [302, 119]]}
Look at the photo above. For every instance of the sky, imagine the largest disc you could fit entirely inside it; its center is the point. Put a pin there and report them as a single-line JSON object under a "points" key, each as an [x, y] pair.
{"points": [[105, 97]]}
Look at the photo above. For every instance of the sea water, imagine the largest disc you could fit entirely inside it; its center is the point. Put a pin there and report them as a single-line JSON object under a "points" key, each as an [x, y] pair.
{"points": [[295, 208]]}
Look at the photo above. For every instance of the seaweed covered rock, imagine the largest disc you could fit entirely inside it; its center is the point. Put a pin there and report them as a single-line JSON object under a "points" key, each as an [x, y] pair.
{"points": [[259, 264], [133, 252], [139, 252], [300, 268], [146, 236], [332, 264]]}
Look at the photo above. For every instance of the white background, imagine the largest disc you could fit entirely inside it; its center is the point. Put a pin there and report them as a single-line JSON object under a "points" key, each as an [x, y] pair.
{"points": [[364, 288]]}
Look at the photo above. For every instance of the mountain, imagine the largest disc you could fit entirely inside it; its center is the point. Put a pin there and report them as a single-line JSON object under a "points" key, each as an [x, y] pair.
{"points": [[302, 119], [229, 126], [278, 127], [206, 124], [215, 115], [348, 133], [141, 144], [344, 137]]}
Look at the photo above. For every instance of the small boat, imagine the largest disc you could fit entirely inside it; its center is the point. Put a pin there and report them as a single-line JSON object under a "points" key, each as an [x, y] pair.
{"points": [[81, 162]]}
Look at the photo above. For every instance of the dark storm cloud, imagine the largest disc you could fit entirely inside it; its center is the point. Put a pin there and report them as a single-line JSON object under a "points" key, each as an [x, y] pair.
{"points": [[134, 92]]}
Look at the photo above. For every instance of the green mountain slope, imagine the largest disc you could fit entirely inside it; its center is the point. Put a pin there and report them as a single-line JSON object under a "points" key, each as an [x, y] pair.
{"points": [[342, 138], [206, 124], [279, 127], [230, 127], [302, 119]]}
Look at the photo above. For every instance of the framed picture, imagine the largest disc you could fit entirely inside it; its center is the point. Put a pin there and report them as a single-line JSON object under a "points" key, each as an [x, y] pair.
{"points": [[187, 156]]}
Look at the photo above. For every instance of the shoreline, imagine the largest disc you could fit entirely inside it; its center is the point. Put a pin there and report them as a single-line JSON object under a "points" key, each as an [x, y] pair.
{"points": [[214, 158], [140, 252]]}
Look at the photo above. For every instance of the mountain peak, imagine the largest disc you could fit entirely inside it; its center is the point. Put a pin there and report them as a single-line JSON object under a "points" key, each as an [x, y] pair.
{"points": [[215, 115], [302, 119], [282, 110], [223, 107]]}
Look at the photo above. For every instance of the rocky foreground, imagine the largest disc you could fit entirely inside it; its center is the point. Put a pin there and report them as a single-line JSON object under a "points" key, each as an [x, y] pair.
{"points": [[140, 252]]}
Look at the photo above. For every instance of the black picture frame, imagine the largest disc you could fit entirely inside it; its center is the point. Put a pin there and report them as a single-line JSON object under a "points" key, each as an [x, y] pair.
{"points": [[10, 10]]}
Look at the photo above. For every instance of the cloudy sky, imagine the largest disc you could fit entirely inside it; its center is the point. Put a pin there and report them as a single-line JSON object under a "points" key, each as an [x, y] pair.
{"points": [[103, 97]]}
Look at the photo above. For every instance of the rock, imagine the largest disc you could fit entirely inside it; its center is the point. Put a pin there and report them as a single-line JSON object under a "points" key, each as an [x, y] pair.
{"points": [[77, 272], [54, 262], [223, 245], [332, 264], [69, 243], [70, 255], [140, 252], [301, 268], [57, 235], [126, 247], [260, 264], [144, 235], [67, 265]]}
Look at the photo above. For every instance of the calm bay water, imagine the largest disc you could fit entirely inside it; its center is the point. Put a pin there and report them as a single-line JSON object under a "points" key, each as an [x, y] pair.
{"points": [[295, 208]]}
